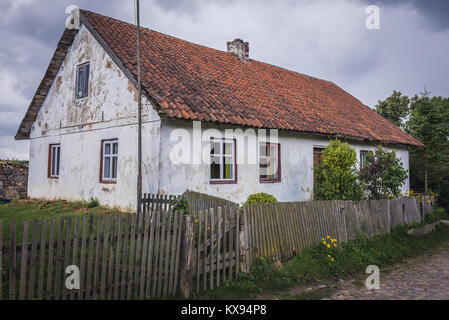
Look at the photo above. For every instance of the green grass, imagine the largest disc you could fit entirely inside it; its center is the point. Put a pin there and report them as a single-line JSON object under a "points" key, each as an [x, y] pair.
{"points": [[20, 210], [312, 264]]}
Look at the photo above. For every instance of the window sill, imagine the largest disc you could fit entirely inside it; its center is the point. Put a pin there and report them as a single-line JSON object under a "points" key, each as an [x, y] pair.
{"points": [[269, 181], [108, 182], [53, 178], [223, 181], [81, 99]]}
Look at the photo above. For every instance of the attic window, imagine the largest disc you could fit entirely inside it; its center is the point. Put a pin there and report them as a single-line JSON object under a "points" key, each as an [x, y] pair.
{"points": [[82, 80], [54, 156]]}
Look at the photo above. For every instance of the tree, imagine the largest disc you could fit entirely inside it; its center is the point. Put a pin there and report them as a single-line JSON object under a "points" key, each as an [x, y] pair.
{"points": [[429, 123], [395, 108], [336, 176], [382, 174]]}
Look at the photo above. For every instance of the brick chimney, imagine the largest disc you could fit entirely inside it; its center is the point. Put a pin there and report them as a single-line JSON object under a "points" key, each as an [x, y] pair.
{"points": [[240, 49]]}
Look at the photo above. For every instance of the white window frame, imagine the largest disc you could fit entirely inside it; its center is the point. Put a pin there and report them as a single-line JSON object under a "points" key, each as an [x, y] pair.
{"points": [[111, 157], [82, 93], [55, 160], [221, 155], [268, 158], [363, 154]]}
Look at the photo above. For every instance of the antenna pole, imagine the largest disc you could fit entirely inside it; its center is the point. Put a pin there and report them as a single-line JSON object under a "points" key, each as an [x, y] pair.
{"points": [[139, 115]]}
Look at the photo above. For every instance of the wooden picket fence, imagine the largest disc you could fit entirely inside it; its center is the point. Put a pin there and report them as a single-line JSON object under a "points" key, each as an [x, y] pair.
{"points": [[164, 253], [196, 201], [150, 202], [119, 257], [200, 201], [279, 231]]}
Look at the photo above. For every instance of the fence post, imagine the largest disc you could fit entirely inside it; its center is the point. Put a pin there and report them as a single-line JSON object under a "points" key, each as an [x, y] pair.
{"points": [[244, 248], [187, 257]]}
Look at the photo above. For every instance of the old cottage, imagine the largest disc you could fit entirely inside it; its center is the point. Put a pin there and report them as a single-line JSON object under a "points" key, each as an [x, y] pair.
{"points": [[83, 128]]}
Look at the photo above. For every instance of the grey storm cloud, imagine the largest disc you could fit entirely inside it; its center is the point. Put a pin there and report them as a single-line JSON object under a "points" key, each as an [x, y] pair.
{"points": [[436, 11], [322, 38]]}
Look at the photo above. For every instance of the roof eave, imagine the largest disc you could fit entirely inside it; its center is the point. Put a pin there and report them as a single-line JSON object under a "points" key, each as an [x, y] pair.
{"points": [[23, 133]]}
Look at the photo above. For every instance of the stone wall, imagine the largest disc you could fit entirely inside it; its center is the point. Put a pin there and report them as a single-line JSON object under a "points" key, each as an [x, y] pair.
{"points": [[13, 179]]}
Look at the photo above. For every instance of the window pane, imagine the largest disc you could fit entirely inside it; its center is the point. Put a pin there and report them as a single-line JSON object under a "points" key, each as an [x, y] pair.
{"points": [[263, 150], [228, 148], [215, 147], [107, 148], [80, 82], [274, 150], [114, 167], [107, 167], [115, 148], [215, 171], [53, 160], [263, 166], [273, 162], [86, 80], [215, 160], [58, 148], [228, 168], [273, 174]]}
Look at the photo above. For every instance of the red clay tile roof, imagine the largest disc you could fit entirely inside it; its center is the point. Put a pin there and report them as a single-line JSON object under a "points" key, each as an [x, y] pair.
{"points": [[193, 82]]}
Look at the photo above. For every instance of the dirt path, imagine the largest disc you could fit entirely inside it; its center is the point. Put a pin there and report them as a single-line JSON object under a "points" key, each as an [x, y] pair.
{"points": [[422, 278]]}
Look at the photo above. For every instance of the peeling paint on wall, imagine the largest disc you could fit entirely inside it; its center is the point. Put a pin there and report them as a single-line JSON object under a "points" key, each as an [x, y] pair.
{"points": [[79, 125]]}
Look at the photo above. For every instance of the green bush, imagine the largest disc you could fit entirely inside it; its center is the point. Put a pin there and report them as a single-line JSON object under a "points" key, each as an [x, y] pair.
{"points": [[336, 176], [261, 198], [382, 174], [182, 206]]}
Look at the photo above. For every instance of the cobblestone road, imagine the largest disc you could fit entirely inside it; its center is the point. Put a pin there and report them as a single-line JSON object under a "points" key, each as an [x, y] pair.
{"points": [[425, 277]]}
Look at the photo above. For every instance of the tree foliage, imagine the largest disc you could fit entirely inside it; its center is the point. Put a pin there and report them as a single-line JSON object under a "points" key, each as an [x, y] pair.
{"points": [[429, 123], [395, 108], [382, 174], [336, 176]]}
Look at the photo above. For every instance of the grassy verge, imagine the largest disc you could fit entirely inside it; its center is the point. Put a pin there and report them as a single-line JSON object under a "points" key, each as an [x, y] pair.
{"points": [[314, 263], [21, 210]]}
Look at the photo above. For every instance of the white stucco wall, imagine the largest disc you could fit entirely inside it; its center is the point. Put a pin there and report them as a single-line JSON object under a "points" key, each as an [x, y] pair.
{"points": [[108, 112], [296, 167]]}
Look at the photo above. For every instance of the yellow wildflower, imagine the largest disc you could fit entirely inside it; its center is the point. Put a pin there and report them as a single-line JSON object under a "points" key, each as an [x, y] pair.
{"points": [[328, 245]]}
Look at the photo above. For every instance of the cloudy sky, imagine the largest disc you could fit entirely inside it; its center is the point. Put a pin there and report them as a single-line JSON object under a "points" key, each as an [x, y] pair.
{"points": [[323, 38]]}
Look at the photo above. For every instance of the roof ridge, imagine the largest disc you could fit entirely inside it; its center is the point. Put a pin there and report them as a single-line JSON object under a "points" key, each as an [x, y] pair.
{"points": [[204, 46]]}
